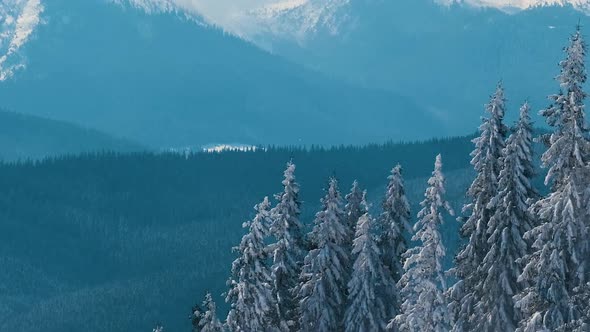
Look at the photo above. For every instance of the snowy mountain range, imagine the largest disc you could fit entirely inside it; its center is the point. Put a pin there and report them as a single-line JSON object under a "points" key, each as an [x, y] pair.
{"points": [[18, 20], [163, 72], [299, 18], [446, 56], [162, 79], [281, 18]]}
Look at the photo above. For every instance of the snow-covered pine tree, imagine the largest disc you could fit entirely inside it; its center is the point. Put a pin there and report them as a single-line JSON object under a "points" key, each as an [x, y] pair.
{"points": [[354, 208], [209, 322], [324, 276], [367, 310], [558, 267], [394, 221], [392, 224], [424, 306], [506, 228], [546, 305], [195, 317], [250, 295], [158, 328], [287, 251], [487, 162], [524, 130]]}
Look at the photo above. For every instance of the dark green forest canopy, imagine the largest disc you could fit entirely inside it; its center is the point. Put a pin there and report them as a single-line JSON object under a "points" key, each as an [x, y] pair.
{"points": [[151, 188], [140, 237]]}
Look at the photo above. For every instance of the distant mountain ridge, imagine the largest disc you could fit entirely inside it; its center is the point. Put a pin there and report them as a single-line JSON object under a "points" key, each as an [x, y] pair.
{"points": [[301, 18], [24, 137], [448, 58], [165, 80]]}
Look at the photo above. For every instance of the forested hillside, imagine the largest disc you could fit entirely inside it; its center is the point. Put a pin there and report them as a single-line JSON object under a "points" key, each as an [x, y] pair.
{"points": [[30, 137], [110, 241]]}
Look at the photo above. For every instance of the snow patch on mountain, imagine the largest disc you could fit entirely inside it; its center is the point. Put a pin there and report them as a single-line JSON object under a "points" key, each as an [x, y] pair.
{"points": [[18, 20], [152, 6], [249, 18], [300, 18], [254, 20], [582, 5], [218, 148]]}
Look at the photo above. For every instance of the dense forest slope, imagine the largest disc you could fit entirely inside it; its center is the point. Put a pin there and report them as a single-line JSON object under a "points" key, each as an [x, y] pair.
{"points": [[30, 137], [113, 242]]}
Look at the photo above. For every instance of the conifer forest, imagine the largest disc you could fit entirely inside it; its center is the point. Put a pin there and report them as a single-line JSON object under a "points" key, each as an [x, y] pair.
{"points": [[294, 166]]}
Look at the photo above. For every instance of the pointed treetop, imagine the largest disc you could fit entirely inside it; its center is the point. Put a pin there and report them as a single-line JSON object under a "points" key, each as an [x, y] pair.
{"points": [[264, 205], [436, 190], [397, 170], [424, 306], [289, 173], [250, 295], [569, 147], [367, 309], [355, 187], [366, 206], [497, 102], [438, 164], [333, 189], [210, 322], [573, 72], [525, 110], [354, 208], [325, 271], [289, 247]]}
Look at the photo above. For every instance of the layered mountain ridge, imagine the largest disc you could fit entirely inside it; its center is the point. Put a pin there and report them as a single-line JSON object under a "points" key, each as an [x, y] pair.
{"points": [[165, 80]]}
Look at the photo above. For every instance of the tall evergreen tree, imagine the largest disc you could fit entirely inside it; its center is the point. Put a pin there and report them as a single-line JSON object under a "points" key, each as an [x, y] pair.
{"points": [[209, 322], [487, 162], [557, 270], [288, 250], [196, 316], [424, 306], [582, 300], [511, 220], [325, 275], [354, 208], [393, 223], [250, 295], [524, 138], [367, 308]]}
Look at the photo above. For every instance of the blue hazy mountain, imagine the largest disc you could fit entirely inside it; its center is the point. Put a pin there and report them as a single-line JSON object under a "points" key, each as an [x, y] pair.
{"points": [[447, 58], [165, 80], [31, 137]]}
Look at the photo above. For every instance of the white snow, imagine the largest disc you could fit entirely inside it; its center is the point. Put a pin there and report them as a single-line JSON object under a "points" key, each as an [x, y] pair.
{"points": [[583, 5], [18, 20], [217, 148]]}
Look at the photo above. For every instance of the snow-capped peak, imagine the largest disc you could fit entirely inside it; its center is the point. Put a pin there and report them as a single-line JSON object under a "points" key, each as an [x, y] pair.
{"points": [[582, 5], [18, 20], [282, 6], [299, 18]]}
